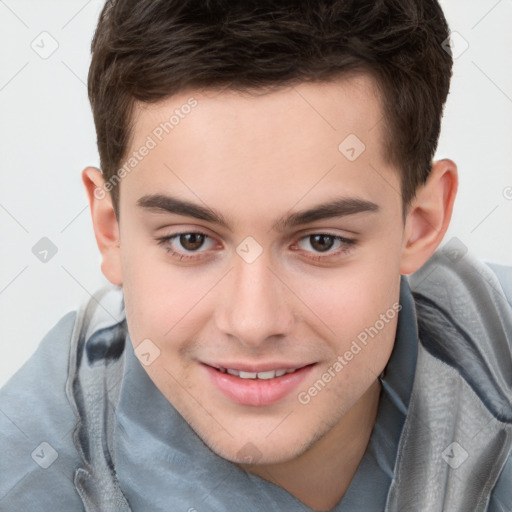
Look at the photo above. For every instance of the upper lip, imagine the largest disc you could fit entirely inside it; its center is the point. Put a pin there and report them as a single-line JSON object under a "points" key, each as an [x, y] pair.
{"points": [[257, 368]]}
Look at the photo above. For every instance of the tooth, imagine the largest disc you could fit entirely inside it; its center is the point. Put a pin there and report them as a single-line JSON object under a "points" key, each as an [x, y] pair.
{"points": [[253, 375], [248, 375], [267, 375]]}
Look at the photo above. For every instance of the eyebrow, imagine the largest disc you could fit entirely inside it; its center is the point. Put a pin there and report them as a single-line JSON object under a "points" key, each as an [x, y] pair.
{"points": [[341, 207]]}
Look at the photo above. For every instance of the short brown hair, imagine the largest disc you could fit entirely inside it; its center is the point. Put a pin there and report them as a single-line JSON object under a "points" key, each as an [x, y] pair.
{"points": [[148, 50]]}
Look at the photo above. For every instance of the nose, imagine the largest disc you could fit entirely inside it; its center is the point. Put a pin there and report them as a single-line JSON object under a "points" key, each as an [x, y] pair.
{"points": [[256, 305]]}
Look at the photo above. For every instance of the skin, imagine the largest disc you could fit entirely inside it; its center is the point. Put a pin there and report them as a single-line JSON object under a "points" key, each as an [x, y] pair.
{"points": [[254, 160]]}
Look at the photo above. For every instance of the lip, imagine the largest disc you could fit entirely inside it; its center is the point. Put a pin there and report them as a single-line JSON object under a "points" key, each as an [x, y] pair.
{"points": [[257, 368], [257, 392]]}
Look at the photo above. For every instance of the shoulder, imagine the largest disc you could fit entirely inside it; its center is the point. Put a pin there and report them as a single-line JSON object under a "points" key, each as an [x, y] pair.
{"points": [[37, 422], [476, 295], [504, 275], [464, 269], [464, 319]]}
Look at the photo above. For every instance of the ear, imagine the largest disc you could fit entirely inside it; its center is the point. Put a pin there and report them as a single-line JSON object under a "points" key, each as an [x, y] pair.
{"points": [[106, 228], [429, 216]]}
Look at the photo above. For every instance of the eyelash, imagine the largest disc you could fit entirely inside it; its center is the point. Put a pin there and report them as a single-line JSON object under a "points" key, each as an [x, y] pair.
{"points": [[347, 245]]}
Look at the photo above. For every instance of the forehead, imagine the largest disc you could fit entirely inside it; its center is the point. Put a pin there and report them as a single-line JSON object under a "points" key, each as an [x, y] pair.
{"points": [[350, 102], [217, 141]]}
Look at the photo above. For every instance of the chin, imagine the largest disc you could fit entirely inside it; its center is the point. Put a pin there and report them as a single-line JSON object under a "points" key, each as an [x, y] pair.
{"points": [[251, 455], [260, 449]]}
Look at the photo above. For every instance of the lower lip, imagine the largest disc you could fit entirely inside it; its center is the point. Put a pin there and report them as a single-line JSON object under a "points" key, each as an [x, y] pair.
{"points": [[257, 392]]}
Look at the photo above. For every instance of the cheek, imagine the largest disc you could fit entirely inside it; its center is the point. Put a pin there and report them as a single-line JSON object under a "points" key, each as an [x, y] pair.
{"points": [[351, 298], [161, 299], [358, 308], [148, 292]]}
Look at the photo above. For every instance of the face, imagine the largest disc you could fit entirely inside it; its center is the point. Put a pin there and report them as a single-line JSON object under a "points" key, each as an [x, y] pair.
{"points": [[260, 243]]}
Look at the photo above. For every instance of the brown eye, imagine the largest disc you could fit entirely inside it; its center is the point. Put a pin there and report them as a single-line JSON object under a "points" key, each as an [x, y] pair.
{"points": [[321, 246], [192, 241], [187, 245], [321, 242]]}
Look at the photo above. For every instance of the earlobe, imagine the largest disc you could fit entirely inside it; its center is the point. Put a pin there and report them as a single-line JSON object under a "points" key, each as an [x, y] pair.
{"points": [[105, 224], [429, 216]]}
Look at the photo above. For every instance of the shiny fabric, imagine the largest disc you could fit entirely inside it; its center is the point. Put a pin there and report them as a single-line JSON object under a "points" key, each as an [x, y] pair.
{"points": [[458, 434]]}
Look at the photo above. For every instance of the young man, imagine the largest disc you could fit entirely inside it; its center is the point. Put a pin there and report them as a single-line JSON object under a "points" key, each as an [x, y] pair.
{"points": [[267, 187]]}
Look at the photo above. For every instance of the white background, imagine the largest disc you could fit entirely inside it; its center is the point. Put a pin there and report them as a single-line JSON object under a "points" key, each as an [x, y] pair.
{"points": [[47, 137]]}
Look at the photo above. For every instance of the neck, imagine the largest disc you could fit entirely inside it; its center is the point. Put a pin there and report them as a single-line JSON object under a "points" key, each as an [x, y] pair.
{"points": [[320, 476]]}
